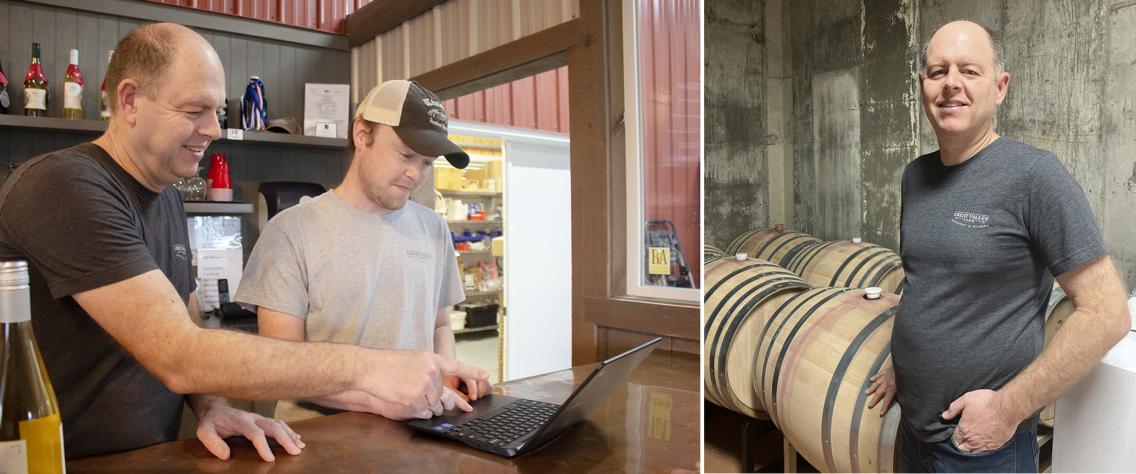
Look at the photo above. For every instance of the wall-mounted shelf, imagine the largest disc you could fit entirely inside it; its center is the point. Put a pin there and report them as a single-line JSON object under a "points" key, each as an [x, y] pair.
{"points": [[472, 223], [448, 192], [214, 207], [98, 126], [474, 252], [469, 293], [475, 330]]}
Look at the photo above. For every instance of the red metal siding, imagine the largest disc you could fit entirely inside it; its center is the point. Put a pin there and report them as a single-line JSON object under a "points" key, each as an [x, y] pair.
{"points": [[323, 15], [670, 63], [538, 102]]}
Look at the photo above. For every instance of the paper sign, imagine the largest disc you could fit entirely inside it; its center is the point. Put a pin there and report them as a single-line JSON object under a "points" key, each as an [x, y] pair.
{"points": [[660, 260], [213, 265], [234, 134], [326, 103]]}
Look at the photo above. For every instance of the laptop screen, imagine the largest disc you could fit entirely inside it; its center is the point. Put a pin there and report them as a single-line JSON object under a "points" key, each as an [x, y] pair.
{"points": [[603, 380]]}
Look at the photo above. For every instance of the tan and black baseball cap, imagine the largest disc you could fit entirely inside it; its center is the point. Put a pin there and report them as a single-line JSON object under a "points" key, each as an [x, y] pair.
{"points": [[416, 115]]}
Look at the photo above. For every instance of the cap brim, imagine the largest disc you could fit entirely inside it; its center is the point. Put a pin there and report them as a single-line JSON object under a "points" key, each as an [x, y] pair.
{"points": [[432, 143]]}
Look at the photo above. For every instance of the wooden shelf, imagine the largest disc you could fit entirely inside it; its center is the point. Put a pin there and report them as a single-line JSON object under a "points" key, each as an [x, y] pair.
{"points": [[476, 330], [481, 293], [470, 193], [469, 222], [98, 126], [474, 252], [215, 207]]}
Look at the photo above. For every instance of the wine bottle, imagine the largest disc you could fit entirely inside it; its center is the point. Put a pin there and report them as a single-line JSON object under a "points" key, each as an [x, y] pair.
{"points": [[104, 106], [73, 89], [5, 101], [31, 432], [35, 87]]}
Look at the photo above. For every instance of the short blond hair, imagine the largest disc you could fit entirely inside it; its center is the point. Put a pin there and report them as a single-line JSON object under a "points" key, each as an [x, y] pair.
{"points": [[144, 54]]}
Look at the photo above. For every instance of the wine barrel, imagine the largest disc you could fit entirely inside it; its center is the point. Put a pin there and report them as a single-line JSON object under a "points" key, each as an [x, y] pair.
{"points": [[1059, 309], [775, 245], [739, 298], [815, 358], [711, 253], [844, 264]]}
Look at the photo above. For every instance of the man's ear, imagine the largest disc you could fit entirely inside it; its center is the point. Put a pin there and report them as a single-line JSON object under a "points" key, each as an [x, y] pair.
{"points": [[128, 94], [1003, 86]]}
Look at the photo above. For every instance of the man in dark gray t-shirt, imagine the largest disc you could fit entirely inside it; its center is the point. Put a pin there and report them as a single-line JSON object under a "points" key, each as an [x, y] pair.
{"points": [[987, 223]]}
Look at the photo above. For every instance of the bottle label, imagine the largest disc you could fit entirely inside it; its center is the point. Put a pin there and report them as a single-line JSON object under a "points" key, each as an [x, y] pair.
{"points": [[14, 456], [35, 99], [72, 95], [44, 437]]}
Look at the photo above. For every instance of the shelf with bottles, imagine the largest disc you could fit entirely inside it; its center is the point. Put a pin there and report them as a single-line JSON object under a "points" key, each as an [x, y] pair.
{"points": [[474, 222], [99, 126]]}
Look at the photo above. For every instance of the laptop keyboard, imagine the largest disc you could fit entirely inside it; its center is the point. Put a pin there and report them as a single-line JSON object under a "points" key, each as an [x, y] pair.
{"points": [[516, 420]]}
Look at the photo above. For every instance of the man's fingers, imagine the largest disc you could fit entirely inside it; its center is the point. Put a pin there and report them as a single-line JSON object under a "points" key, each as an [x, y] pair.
{"points": [[453, 367], [887, 403], [283, 435], [955, 408], [207, 434], [459, 401], [471, 389], [875, 398], [259, 441]]}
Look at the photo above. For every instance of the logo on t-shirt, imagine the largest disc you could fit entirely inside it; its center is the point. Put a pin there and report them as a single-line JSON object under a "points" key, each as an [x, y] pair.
{"points": [[180, 251], [419, 255], [971, 219]]}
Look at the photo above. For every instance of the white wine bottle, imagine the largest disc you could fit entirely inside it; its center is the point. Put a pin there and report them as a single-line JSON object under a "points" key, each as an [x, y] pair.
{"points": [[35, 87], [73, 89], [31, 431]]}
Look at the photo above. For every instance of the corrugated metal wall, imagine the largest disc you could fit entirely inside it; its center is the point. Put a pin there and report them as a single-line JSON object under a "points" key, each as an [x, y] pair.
{"points": [[538, 102], [323, 15], [453, 31], [670, 61]]}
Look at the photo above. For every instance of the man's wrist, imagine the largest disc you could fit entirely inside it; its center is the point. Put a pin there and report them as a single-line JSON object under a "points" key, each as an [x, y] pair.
{"points": [[1007, 406]]}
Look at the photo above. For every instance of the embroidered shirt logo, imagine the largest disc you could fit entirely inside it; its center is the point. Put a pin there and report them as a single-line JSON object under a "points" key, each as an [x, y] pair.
{"points": [[419, 255], [970, 219], [181, 252]]}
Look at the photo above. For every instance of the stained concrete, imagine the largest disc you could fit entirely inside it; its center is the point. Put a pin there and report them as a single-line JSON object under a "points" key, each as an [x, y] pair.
{"points": [[1071, 91], [736, 173]]}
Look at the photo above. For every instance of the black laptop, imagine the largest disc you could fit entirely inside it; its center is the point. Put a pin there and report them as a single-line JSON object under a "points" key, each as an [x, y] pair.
{"points": [[511, 426]]}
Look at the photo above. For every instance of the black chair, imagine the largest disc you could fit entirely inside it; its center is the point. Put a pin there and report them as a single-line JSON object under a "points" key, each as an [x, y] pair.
{"points": [[276, 196]]}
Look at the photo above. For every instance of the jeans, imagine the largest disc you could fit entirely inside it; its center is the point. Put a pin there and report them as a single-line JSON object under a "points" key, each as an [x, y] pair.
{"points": [[1018, 455]]}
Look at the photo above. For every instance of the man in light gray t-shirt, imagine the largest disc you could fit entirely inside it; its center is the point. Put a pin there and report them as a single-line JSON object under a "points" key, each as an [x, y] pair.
{"points": [[361, 264]]}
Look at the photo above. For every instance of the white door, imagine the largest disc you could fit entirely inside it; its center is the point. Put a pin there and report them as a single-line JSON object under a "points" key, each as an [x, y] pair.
{"points": [[538, 248]]}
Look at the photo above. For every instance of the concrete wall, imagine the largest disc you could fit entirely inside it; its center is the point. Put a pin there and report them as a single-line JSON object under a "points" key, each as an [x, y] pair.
{"points": [[856, 119]]}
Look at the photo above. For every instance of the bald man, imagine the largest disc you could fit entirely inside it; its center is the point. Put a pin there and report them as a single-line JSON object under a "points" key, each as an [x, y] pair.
{"points": [[987, 223], [105, 237]]}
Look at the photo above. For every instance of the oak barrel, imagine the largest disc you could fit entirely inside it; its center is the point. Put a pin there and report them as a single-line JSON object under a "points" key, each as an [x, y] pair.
{"points": [[739, 297], [814, 360], [844, 264], [774, 245], [711, 253]]}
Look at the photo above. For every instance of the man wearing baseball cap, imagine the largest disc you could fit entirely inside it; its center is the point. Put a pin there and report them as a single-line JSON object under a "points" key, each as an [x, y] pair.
{"points": [[362, 264]]}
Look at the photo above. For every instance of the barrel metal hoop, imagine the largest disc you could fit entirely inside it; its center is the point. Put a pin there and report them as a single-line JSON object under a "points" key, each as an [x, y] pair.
{"points": [[838, 376]]}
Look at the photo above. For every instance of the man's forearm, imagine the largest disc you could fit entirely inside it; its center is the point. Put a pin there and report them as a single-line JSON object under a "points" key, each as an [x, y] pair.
{"points": [[1080, 344], [444, 342]]}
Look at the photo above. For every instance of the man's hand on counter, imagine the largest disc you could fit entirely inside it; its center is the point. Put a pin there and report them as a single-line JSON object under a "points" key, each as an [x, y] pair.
{"points": [[216, 420]]}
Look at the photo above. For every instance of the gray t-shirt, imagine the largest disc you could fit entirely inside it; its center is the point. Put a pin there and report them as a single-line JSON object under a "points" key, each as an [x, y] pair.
{"points": [[981, 242], [356, 278], [82, 223]]}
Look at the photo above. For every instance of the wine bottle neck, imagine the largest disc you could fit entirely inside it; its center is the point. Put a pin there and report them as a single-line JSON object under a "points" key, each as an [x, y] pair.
{"points": [[15, 305]]}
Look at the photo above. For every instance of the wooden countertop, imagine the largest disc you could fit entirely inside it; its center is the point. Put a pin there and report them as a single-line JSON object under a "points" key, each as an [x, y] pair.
{"points": [[649, 425]]}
